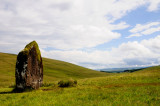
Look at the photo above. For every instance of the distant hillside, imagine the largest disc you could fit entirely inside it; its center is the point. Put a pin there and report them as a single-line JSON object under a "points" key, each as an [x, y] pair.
{"points": [[54, 70], [120, 70]]}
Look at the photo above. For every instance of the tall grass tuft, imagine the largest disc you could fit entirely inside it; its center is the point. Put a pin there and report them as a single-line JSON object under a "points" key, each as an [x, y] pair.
{"points": [[67, 83], [48, 84]]}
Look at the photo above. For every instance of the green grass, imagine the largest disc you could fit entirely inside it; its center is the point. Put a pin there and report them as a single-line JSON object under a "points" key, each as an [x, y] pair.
{"points": [[140, 88]]}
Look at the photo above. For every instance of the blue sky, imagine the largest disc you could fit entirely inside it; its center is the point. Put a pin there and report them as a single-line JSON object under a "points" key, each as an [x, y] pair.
{"points": [[91, 33], [138, 16]]}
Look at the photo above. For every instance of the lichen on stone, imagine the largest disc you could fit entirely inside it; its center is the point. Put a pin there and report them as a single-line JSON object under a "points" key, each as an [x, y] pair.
{"points": [[29, 46]]}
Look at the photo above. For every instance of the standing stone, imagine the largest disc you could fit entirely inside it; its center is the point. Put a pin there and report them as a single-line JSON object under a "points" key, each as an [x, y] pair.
{"points": [[29, 67]]}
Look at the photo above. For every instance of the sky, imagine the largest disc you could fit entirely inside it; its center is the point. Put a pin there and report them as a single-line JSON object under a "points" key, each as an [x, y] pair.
{"points": [[92, 33]]}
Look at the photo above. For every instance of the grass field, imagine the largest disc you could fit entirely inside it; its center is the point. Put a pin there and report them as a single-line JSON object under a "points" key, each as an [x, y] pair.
{"points": [[140, 88]]}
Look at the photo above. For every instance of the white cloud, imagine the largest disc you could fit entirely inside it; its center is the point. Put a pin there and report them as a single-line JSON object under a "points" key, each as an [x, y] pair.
{"points": [[150, 31], [121, 25], [154, 5], [144, 29], [139, 27], [133, 35], [153, 44]]}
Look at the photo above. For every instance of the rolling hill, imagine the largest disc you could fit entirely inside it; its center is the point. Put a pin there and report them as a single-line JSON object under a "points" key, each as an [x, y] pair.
{"points": [[54, 70]]}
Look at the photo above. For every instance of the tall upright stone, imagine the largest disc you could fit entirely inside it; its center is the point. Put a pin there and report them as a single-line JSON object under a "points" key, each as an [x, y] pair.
{"points": [[29, 67]]}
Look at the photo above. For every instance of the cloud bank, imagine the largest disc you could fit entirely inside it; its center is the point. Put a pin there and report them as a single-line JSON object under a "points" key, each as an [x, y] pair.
{"points": [[130, 54]]}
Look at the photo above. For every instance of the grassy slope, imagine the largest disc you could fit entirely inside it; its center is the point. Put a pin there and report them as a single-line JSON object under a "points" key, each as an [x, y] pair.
{"points": [[140, 88], [54, 70]]}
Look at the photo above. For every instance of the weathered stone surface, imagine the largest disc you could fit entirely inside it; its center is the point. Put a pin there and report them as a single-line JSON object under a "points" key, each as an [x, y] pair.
{"points": [[29, 67]]}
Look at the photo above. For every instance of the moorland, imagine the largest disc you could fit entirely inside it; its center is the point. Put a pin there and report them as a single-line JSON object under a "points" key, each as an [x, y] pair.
{"points": [[140, 88]]}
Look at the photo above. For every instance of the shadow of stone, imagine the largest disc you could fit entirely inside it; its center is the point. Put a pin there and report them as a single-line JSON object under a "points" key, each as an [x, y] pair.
{"points": [[17, 91], [9, 92]]}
